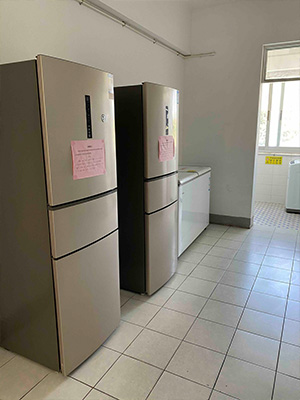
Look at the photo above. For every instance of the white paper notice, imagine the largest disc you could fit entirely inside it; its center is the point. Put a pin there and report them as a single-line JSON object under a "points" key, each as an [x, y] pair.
{"points": [[88, 157], [166, 148]]}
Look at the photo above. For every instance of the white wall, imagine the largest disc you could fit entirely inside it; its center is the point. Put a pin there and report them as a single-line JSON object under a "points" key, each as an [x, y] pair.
{"points": [[220, 111], [63, 28], [170, 20], [271, 180]]}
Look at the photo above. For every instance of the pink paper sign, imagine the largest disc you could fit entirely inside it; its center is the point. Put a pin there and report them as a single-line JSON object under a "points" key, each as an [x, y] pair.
{"points": [[88, 157], [166, 148]]}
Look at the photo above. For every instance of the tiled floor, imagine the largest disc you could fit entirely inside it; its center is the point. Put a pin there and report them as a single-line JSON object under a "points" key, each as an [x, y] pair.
{"points": [[273, 214], [226, 326]]}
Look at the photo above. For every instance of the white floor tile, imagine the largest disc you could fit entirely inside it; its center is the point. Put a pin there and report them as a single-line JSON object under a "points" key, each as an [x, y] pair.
{"points": [[291, 332], [95, 366], [196, 363], [191, 256], [142, 378], [216, 262], [96, 395], [238, 280], [222, 252], [289, 360], [296, 266], [244, 268], [197, 286], [171, 387], [210, 335], [122, 336], [272, 288], [267, 304], [186, 303], [231, 295], [245, 381], [208, 273], [200, 247], [248, 256], [286, 388], [261, 324], [223, 313], [205, 239], [185, 268], [159, 298], [254, 247], [228, 244], [175, 281], [171, 323], [18, 376], [278, 262], [296, 278], [220, 396], [153, 348], [293, 310], [138, 312], [275, 274], [255, 349], [56, 386], [278, 252], [294, 293]]}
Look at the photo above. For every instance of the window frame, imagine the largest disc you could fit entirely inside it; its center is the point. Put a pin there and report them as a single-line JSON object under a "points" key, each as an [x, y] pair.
{"points": [[277, 46], [276, 149]]}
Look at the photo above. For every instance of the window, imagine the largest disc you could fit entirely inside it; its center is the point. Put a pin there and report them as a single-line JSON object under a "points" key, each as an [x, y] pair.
{"points": [[279, 118]]}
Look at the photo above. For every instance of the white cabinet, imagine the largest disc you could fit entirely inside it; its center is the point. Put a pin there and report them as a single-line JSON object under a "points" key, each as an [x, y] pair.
{"points": [[194, 198]]}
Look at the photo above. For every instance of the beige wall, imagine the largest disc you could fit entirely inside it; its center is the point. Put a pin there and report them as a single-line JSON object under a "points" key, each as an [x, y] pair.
{"points": [[221, 103], [167, 19], [63, 28]]}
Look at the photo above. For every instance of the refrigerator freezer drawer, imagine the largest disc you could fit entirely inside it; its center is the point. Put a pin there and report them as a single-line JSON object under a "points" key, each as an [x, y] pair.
{"points": [[193, 215], [88, 302], [161, 247], [63, 89], [161, 117], [160, 192], [81, 224]]}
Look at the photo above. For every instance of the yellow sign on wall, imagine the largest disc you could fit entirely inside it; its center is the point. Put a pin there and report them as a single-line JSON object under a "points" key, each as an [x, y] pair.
{"points": [[274, 160]]}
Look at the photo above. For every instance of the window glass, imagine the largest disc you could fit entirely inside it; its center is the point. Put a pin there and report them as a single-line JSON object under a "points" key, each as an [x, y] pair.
{"points": [[264, 103], [290, 126], [283, 63], [275, 114]]}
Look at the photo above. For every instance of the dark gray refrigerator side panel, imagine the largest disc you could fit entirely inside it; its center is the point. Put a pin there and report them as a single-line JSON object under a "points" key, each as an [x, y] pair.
{"points": [[130, 173], [27, 305]]}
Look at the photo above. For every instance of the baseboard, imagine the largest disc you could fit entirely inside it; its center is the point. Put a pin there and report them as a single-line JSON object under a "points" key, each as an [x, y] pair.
{"points": [[241, 222]]}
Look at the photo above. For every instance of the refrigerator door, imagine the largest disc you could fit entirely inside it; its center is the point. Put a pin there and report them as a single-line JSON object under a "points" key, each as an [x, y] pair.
{"points": [[74, 227], [66, 117], [161, 247], [161, 117], [87, 296], [160, 193]]}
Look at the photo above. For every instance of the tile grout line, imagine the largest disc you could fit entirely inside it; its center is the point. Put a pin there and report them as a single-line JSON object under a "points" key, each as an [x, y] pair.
{"points": [[283, 326], [244, 308]]}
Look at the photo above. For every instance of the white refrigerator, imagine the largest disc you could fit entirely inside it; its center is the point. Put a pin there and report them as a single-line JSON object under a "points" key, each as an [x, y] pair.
{"points": [[59, 226]]}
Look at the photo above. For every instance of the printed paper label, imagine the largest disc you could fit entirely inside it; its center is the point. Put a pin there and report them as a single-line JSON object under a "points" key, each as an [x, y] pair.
{"points": [[88, 158], [166, 148], [274, 160]]}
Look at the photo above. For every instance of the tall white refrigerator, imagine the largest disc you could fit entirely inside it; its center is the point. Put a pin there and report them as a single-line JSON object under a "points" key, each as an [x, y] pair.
{"points": [[59, 290]]}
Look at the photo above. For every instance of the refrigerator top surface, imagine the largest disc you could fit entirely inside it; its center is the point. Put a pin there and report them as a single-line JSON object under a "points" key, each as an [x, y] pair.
{"points": [[194, 169]]}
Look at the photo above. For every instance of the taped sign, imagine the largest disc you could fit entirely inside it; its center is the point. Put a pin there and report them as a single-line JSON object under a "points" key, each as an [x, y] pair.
{"points": [[274, 160]]}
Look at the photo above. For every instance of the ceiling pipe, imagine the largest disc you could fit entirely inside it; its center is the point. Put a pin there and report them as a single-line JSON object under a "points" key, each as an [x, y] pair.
{"points": [[141, 32]]}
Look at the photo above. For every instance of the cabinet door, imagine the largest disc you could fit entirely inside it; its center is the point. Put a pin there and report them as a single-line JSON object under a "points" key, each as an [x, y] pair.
{"points": [[88, 300], [161, 247]]}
